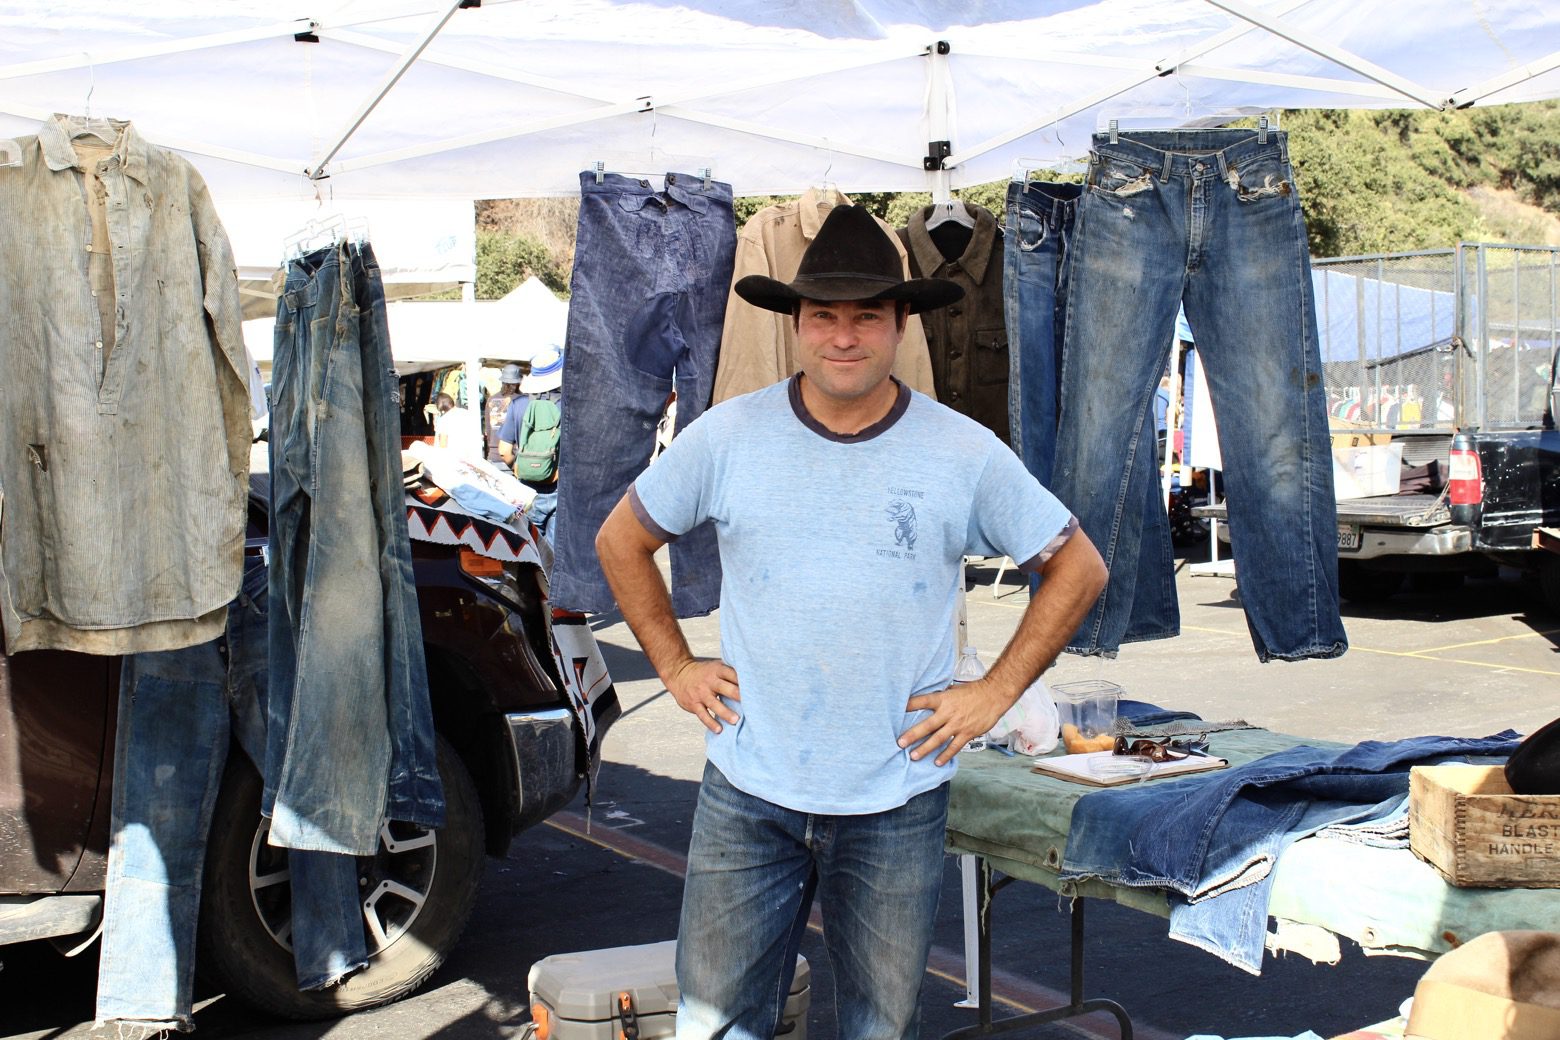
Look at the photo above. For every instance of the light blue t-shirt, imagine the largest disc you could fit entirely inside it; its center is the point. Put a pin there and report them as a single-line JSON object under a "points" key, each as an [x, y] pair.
{"points": [[841, 559]]}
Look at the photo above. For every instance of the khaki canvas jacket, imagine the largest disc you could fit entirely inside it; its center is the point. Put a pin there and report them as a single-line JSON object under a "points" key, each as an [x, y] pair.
{"points": [[758, 347], [967, 340], [124, 451]]}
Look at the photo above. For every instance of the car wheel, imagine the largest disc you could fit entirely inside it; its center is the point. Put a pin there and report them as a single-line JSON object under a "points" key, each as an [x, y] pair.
{"points": [[418, 891], [1359, 584]]}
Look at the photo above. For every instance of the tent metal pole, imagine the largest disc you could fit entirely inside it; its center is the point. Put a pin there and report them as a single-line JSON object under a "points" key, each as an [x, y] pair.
{"points": [[1353, 87], [938, 101], [1103, 95], [773, 134], [80, 59], [1348, 59], [1533, 69], [182, 144], [317, 170]]}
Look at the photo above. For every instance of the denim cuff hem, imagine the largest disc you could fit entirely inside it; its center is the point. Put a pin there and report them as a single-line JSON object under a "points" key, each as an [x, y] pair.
{"points": [[1322, 652], [145, 1028]]}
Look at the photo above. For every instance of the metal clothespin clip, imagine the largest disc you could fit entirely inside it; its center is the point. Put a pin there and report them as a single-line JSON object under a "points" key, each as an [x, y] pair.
{"points": [[707, 176], [1115, 128], [10, 153], [1262, 129], [601, 172]]}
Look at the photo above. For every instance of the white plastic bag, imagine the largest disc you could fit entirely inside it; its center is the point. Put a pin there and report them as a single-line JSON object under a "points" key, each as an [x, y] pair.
{"points": [[1031, 725]]}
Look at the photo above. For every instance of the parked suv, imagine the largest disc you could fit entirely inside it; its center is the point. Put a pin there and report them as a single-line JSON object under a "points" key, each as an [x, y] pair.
{"points": [[521, 702]]}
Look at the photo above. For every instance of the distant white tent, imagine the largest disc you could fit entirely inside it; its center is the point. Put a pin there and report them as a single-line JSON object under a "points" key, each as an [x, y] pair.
{"points": [[426, 335]]}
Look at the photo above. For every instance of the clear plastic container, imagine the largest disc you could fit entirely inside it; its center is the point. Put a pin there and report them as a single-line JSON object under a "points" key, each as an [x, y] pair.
{"points": [[1089, 706], [969, 669]]}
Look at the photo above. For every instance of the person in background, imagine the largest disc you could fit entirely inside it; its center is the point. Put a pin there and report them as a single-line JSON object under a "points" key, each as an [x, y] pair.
{"points": [[1162, 415], [456, 429], [543, 383], [845, 504], [498, 410]]}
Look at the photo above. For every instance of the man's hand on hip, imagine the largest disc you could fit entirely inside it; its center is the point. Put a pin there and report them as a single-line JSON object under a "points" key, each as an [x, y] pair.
{"points": [[959, 715], [702, 687]]}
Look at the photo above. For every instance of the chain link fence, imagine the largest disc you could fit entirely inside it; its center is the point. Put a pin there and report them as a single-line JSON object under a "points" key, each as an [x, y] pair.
{"points": [[1442, 339]]}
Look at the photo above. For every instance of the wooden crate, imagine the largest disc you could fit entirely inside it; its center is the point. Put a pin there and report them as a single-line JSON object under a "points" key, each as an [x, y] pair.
{"points": [[1465, 822]]}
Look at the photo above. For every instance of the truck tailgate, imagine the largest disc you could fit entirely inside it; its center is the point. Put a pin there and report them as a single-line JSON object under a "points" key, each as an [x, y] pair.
{"points": [[1386, 511]]}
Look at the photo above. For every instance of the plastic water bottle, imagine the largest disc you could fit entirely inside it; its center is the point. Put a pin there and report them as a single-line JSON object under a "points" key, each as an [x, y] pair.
{"points": [[969, 669]]}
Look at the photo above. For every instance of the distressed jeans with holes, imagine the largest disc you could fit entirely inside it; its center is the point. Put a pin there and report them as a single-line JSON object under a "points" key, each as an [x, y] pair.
{"points": [[1209, 219], [176, 711], [1034, 272], [753, 869], [651, 273]]}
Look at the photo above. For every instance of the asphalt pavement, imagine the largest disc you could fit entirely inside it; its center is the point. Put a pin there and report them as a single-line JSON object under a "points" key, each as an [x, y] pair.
{"points": [[1470, 661]]}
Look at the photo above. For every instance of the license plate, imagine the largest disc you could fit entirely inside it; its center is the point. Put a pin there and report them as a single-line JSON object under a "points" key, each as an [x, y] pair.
{"points": [[1348, 536]]}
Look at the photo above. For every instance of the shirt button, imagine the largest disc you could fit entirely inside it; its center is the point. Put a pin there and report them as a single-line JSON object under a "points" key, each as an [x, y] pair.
{"points": [[100, 344], [94, 296]]}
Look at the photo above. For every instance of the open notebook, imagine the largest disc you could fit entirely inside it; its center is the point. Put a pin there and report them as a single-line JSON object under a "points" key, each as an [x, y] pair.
{"points": [[1095, 768]]}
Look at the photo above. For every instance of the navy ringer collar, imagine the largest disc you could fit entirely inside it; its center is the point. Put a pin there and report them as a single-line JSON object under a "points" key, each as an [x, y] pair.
{"points": [[901, 403]]}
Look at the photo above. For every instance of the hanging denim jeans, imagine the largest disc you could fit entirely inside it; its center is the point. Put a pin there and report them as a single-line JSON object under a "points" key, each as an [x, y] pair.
{"points": [[1039, 226], [170, 751], [346, 657], [1210, 219], [652, 270]]}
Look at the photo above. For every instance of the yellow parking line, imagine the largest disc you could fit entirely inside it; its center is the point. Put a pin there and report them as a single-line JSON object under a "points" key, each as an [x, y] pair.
{"points": [[1486, 642], [1423, 655]]}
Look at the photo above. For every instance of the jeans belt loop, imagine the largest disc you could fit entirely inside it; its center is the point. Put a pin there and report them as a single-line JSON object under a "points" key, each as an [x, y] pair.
{"points": [[1283, 147], [1168, 166], [1224, 165]]}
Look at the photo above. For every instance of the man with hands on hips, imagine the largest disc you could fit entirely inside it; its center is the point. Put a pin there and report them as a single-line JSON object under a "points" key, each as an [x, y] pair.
{"points": [[844, 504]]}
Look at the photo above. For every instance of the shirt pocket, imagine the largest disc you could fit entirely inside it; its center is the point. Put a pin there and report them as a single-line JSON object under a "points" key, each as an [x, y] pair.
{"points": [[991, 355]]}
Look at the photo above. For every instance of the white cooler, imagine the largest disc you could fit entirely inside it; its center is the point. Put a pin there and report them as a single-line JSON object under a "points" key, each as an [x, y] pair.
{"points": [[629, 993]]}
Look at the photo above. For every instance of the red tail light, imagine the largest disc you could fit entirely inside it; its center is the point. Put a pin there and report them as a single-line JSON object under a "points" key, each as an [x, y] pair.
{"points": [[1466, 478]]}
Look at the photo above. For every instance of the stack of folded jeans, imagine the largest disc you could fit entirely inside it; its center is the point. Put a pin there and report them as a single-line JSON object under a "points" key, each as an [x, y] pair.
{"points": [[1211, 841], [350, 739], [1209, 220]]}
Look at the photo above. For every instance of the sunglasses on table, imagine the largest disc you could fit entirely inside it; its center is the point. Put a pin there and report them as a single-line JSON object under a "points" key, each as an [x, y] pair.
{"points": [[1164, 750]]}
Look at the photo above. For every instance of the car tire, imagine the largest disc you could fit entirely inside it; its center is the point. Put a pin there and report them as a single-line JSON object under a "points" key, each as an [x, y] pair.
{"points": [[239, 948], [1360, 584]]}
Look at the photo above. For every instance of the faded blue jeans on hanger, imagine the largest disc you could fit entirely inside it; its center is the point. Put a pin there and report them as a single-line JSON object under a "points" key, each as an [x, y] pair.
{"points": [[176, 708], [1212, 840], [1034, 275], [346, 654], [648, 297], [1210, 219]]}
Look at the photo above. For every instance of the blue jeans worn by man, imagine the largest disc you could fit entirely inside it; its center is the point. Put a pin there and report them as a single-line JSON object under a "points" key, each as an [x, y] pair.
{"points": [[877, 876], [346, 655], [651, 274], [1210, 219], [1034, 274]]}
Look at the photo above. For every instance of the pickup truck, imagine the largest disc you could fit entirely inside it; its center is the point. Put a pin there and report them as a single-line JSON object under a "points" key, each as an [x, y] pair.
{"points": [[521, 701], [1452, 355]]}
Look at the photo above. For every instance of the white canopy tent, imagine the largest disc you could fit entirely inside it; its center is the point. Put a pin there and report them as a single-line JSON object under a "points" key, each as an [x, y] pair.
{"points": [[501, 98]]}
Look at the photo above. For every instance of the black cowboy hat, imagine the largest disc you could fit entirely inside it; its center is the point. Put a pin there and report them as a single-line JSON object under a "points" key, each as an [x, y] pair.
{"points": [[852, 258]]}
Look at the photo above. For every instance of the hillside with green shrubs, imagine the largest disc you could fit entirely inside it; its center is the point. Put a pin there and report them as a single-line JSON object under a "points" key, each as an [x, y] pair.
{"points": [[1371, 181]]}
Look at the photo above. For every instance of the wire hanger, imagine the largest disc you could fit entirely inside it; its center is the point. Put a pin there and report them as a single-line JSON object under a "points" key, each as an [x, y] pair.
{"points": [[84, 125], [324, 231], [1024, 166]]}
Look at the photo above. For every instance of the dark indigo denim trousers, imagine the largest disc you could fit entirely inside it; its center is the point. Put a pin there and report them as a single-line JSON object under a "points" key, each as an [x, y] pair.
{"points": [[1210, 219], [177, 710], [1213, 840], [753, 869], [648, 296], [350, 735], [1034, 274]]}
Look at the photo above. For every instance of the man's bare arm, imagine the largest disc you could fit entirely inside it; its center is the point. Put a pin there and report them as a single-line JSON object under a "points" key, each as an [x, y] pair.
{"points": [[1072, 581], [627, 552], [506, 451]]}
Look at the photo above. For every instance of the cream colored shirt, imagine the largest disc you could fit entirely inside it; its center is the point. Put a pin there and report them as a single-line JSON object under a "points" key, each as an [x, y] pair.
{"points": [[758, 347], [124, 423]]}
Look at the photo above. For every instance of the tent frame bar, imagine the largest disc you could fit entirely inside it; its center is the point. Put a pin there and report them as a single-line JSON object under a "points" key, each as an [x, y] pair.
{"points": [[85, 59], [1162, 68], [1273, 23], [318, 169], [1532, 70]]}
